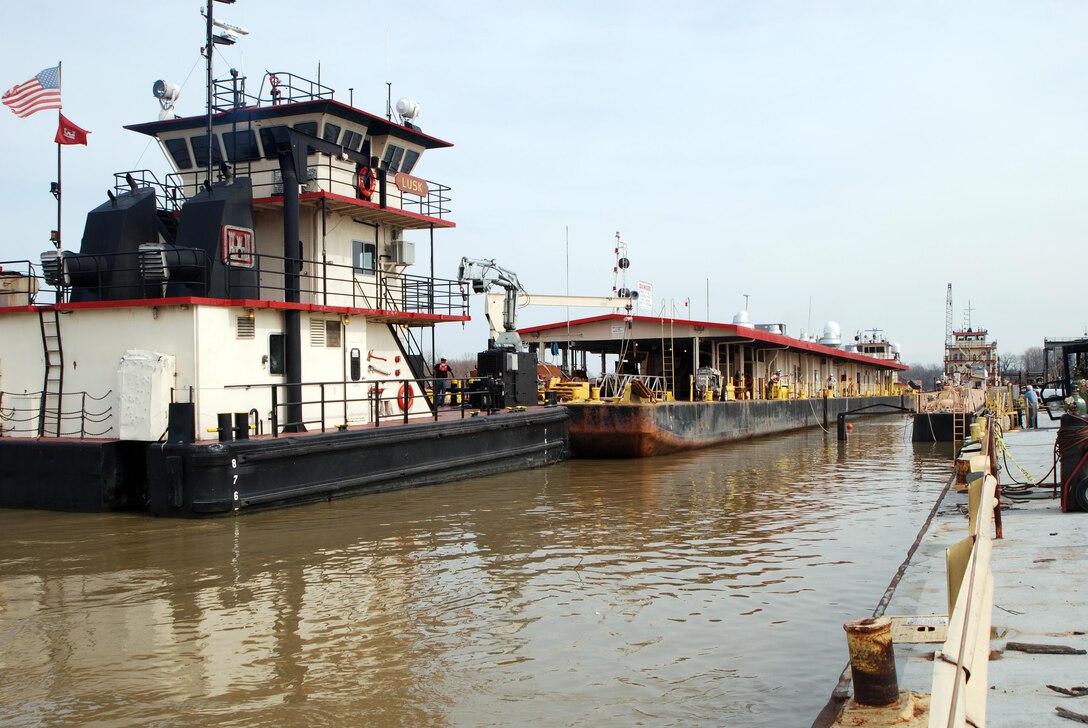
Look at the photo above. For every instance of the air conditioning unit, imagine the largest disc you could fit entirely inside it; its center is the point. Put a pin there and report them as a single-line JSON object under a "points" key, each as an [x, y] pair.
{"points": [[402, 251]]}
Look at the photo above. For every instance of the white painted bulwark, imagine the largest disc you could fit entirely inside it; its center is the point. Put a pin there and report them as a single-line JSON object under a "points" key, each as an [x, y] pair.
{"points": [[144, 381]]}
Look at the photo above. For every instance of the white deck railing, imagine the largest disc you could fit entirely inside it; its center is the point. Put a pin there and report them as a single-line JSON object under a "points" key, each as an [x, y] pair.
{"points": [[960, 667]]}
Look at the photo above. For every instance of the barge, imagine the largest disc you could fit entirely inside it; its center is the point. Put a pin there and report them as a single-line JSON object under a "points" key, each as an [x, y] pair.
{"points": [[675, 384], [247, 330]]}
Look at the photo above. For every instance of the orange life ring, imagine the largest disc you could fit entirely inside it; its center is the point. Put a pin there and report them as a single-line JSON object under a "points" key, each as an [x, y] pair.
{"points": [[405, 396], [364, 182]]}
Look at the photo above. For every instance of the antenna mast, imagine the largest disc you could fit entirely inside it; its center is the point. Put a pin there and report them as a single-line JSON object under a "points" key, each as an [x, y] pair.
{"points": [[209, 51], [948, 341]]}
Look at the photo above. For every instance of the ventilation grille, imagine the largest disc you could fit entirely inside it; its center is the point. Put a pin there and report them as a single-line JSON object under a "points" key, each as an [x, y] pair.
{"points": [[153, 266], [246, 327], [317, 332]]}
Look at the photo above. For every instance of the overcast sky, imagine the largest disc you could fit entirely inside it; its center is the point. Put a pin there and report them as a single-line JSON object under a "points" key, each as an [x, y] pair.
{"points": [[858, 156]]}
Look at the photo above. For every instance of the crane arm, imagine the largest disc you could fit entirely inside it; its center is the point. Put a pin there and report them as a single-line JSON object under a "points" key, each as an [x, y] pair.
{"points": [[483, 275]]}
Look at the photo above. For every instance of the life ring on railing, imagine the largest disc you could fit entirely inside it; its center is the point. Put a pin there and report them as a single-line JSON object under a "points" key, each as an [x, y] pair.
{"points": [[405, 396], [364, 182]]}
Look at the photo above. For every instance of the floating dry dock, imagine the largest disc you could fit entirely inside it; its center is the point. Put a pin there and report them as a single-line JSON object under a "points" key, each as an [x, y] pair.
{"points": [[1035, 603]]}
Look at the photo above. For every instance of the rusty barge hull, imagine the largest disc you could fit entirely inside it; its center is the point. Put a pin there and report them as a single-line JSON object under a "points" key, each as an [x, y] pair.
{"points": [[644, 430]]}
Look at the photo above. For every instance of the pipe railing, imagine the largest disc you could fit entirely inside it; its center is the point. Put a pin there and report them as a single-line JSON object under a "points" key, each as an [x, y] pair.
{"points": [[323, 283], [326, 405], [80, 415]]}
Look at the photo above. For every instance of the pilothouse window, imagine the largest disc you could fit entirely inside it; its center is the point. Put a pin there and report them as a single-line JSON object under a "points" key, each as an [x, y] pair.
{"points": [[241, 146], [200, 149], [268, 140], [179, 151], [351, 140], [331, 133], [411, 156], [392, 157]]}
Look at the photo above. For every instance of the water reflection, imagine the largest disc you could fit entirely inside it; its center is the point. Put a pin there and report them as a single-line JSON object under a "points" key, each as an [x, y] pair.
{"points": [[702, 588]]}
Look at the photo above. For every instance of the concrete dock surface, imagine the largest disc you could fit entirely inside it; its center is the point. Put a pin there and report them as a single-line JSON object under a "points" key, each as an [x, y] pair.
{"points": [[1040, 595]]}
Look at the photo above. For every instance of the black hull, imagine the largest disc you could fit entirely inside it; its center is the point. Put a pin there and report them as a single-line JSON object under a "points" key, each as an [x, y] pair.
{"points": [[936, 426], [207, 479], [72, 475]]}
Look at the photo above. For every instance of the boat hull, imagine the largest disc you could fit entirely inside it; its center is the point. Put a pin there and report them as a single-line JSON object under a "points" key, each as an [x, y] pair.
{"points": [[645, 430], [71, 474], [222, 478], [937, 426], [208, 479]]}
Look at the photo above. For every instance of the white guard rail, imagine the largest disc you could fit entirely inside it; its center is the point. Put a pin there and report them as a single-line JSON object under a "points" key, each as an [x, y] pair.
{"points": [[960, 666]]}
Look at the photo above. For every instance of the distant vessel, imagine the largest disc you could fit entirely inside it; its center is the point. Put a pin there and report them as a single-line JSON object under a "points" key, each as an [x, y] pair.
{"points": [[246, 331], [970, 358]]}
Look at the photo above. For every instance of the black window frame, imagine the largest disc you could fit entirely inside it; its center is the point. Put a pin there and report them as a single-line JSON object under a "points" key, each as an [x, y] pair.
{"points": [[277, 354], [358, 251]]}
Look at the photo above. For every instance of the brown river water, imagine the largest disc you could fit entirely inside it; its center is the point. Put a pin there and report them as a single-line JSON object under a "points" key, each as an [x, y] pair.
{"points": [[705, 588]]}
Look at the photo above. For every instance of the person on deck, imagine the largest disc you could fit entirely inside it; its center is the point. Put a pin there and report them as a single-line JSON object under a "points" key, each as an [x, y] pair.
{"points": [[442, 375], [1031, 401]]}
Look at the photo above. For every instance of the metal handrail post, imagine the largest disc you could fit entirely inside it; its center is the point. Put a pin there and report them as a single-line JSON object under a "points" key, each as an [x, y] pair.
{"points": [[275, 411], [322, 391]]}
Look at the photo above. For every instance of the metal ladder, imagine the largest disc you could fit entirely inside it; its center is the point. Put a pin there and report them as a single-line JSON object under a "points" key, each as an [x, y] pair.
{"points": [[959, 423], [668, 367], [49, 414]]}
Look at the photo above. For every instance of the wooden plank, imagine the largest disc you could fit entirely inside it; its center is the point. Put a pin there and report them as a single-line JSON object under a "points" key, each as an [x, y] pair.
{"points": [[1040, 649], [1078, 717]]}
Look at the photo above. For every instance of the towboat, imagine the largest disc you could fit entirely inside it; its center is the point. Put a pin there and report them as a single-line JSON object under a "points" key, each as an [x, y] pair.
{"points": [[248, 330]]}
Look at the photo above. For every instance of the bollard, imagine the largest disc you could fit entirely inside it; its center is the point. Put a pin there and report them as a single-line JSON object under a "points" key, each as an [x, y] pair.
{"points": [[224, 426], [872, 661], [241, 425]]}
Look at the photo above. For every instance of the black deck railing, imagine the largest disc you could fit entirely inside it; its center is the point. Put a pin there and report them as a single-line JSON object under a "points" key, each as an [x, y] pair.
{"points": [[322, 283], [386, 400], [169, 195], [324, 175]]}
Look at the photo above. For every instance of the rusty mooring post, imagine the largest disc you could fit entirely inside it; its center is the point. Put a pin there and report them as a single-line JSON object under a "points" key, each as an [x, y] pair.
{"points": [[872, 661]]}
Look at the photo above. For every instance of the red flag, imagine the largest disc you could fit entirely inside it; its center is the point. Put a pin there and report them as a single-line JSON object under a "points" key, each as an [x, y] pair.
{"points": [[69, 133]]}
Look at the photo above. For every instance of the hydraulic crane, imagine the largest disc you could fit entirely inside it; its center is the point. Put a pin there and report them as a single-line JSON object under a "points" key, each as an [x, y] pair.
{"points": [[483, 275]]}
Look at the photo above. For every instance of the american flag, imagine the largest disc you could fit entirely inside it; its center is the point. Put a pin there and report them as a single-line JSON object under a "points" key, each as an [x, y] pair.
{"points": [[39, 93]]}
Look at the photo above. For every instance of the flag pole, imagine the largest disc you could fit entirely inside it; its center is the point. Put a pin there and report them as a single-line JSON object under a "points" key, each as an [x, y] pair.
{"points": [[60, 183]]}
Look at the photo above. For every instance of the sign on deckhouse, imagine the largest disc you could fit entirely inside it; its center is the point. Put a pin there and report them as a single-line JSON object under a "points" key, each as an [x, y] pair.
{"points": [[238, 246], [410, 185]]}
